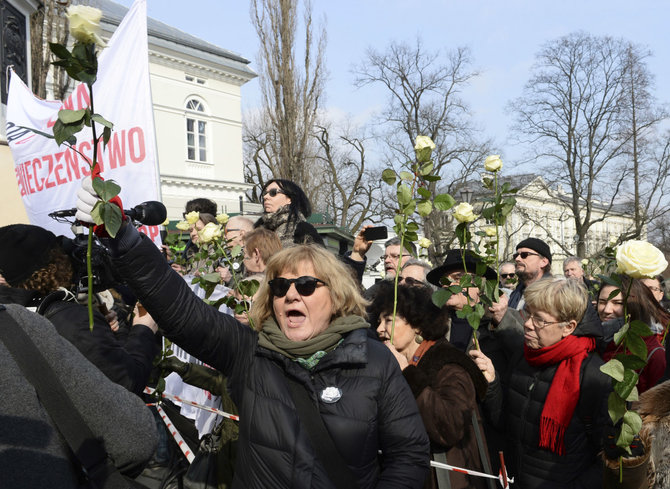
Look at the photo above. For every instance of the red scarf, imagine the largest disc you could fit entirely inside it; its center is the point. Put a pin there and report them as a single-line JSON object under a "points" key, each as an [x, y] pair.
{"points": [[569, 353]]}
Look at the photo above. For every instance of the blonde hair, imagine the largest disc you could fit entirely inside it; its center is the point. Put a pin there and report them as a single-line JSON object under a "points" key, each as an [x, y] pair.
{"points": [[265, 241], [562, 298], [344, 291]]}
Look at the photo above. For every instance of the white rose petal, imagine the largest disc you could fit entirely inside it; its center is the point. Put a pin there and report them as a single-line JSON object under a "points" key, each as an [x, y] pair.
{"points": [[463, 212], [192, 217], [640, 259], [493, 163], [85, 24]]}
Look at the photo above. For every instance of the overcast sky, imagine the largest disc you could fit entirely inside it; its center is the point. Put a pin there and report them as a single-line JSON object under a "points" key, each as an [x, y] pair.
{"points": [[503, 37]]}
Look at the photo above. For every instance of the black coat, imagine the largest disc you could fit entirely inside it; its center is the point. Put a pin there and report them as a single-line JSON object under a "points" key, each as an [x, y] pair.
{"points": [[376, 411], [126, 362], [517, 408]]}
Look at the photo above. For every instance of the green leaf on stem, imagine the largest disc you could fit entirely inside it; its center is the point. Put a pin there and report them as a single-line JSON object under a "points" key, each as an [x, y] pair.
{"points": [[423, 192], [632, 422], [66, 132], [60, 51], [614, 281], [633, 395], [618, 336], [444, 202], [404, 195], [389, 176], [441, 296], [111, 216], [616, 407], [67, 116], [636, 346], [614, 368], [624, 388], [410, 236], [432, 178], [424, 208], [248, 287], [40, 133], [631, 362], [213, 277], [96, 213], [106, 135], [412, 226], [101, 120], [406, 176], [86, 77], [106, 189], [640, 328], [426, 168]]}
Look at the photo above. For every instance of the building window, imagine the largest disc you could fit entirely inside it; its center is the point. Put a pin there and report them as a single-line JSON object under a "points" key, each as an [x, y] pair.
{"points": [[196, 131]]}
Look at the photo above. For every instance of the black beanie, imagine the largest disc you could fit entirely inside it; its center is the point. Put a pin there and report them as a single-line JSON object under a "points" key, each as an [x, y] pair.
{"points": [[536, 245], [24, 249]]}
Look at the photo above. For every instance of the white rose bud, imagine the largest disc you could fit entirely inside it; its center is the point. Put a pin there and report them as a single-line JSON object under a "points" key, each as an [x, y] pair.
{"points": [[585, 262], [192, 217], [183, 226], [493, 163], [85, 24], [210, 232], [222, 218], [613, 240], [640, 259], [425, 243], [463, 212], [166, 222], [423, 146], [490, 231]]}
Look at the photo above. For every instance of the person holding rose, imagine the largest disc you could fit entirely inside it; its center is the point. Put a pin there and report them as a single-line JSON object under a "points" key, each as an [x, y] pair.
{"points": [[310, 341], [552, 403]]}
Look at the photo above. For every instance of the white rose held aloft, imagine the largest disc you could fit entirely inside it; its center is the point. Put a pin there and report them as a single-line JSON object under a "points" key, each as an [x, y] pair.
{"points": [[640, 259], [464, 212], [192, 217], [85, 24], [423, 146], [493, 163]]}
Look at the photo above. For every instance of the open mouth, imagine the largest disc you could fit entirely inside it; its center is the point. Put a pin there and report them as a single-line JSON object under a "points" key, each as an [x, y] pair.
{"points": [[295, 318]]}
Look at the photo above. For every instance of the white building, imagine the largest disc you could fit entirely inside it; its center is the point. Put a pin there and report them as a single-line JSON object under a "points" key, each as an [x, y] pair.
{"points": [[196, 92]]}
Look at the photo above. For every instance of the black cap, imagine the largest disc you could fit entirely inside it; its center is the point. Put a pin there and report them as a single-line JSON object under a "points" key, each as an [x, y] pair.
{"points": [[24, 249], [536, 245], [454, 261]]}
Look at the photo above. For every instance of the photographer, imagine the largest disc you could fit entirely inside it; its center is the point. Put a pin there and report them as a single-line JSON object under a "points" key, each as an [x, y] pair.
{"points": [[39, 275]]}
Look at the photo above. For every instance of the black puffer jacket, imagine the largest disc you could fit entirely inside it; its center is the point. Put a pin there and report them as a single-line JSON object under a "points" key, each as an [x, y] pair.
{"points": [[525, 390], [376, 411]]}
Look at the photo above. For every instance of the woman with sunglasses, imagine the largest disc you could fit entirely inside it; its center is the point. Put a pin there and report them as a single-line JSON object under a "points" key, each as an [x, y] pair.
{"points": [[446, 383], [553, 401], [308, 367], [285, 210]]}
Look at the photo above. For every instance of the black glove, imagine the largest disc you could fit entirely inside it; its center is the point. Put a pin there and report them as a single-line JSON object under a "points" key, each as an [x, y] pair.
{"points": [[613, 452], [173, 364]]}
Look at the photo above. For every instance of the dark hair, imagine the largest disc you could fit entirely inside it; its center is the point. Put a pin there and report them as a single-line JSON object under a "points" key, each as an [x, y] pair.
{"points": [[642, 304], [415, 305], [206, 218], [299, 201], [57, 273], [201, 205]]}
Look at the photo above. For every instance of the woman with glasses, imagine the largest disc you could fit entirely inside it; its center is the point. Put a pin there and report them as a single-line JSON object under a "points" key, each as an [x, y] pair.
{"points": [[318, 398], [446, 383], [553, 401], [639, 305], [285, 210]]}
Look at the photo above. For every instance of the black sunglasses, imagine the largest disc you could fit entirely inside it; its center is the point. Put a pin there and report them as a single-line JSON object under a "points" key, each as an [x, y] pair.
{"points": [[273, 192], [525, 254], [508, 275], [305, 285]]}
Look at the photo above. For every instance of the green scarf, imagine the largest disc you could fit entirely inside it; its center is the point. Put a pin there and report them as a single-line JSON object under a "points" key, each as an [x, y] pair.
{"points": [[272, 338]]}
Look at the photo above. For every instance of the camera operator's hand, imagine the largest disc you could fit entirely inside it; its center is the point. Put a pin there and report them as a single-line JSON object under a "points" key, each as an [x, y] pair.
{"points": [[86, 200], [361, 245]]}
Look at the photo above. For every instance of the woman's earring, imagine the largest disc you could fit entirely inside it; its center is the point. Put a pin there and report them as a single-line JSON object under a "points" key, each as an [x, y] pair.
{"points": [[418, 338]]}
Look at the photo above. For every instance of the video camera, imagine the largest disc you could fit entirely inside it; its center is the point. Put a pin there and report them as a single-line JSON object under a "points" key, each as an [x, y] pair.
{"points": [[151, 213]]}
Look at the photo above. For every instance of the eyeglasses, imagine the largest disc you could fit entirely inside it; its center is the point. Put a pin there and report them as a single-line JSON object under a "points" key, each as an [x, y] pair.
{"points": [[273, 192], [508, 275], [654, 289], [393, 256], [305, 285], [412, 282], [524, 254], [537, 322]]}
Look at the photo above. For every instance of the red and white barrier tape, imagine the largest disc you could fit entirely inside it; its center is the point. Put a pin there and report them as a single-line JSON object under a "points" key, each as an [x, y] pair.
{"points": [[177, 437], [234, 417], [504, 482], [503, 479]]}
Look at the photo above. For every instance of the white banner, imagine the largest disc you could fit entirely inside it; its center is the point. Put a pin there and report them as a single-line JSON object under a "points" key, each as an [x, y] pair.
{"points": [[49, 175]]}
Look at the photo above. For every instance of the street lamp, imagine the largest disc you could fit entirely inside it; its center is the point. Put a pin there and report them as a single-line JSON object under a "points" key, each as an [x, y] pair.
{"points": [[466, 194]]}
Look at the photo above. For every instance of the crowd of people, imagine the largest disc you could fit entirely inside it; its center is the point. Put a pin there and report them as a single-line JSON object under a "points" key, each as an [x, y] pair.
{"points": [[335, 385]]}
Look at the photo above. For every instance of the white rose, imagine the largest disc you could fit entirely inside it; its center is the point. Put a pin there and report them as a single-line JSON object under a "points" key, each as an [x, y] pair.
{"points": [[423, 146], [613, 240], [85, 24], [222, 218], [192, 217], [183, 226], [210, 232], [585, 262], [493, 163], [463, 212], [490, 231], [424, 243], [640, 259]]}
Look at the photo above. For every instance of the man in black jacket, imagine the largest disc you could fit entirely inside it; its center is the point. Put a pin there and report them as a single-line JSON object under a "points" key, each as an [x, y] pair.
{"points": [[39, 275]]}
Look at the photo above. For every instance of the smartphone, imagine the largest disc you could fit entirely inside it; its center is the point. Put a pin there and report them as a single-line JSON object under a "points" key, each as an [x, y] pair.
{"points": [[375, 233]]}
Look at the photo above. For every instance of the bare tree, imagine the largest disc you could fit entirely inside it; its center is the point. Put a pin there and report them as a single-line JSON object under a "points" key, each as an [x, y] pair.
{"points": [[575, 113], [279, 144], [48, 24], [424, 98]]}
